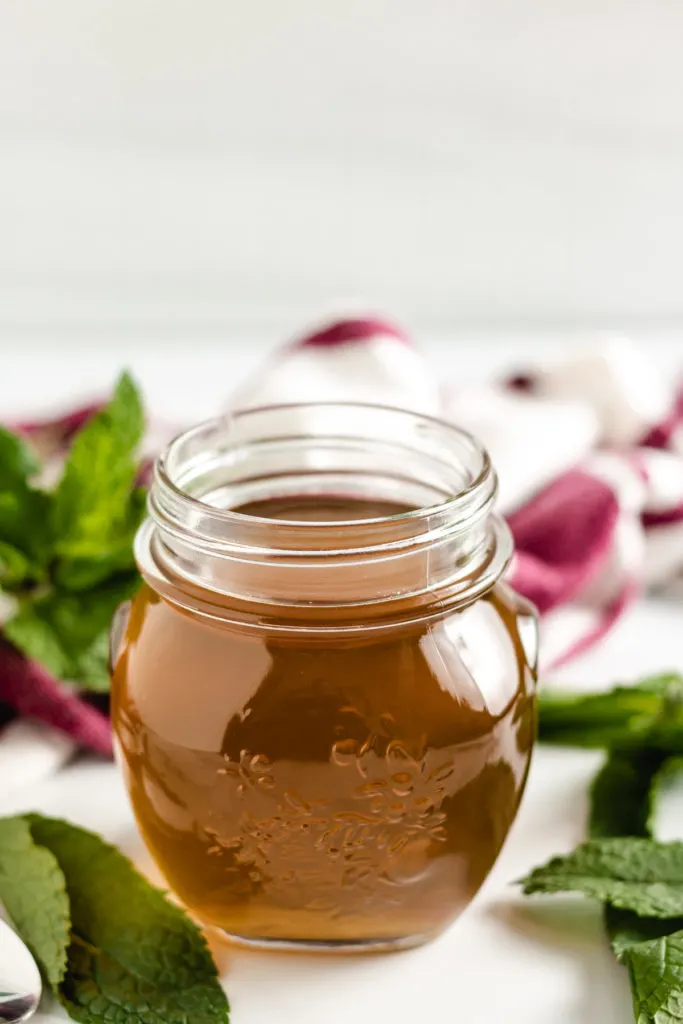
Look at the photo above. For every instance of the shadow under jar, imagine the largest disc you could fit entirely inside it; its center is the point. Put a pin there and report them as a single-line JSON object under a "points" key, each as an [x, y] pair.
{"points": [[323, 695]]}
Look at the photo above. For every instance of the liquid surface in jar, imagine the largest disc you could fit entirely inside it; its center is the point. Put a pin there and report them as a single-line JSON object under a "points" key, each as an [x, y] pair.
{"points": [[324, 788], [331, 509]]}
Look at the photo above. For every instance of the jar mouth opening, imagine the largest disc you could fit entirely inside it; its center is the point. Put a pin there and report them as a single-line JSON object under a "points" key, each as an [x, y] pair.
{"points": [[184, 463], [444, 538]]}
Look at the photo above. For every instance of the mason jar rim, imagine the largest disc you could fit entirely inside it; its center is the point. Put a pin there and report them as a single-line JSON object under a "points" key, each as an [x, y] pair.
{"points": [[479, 491], [450, 549]]}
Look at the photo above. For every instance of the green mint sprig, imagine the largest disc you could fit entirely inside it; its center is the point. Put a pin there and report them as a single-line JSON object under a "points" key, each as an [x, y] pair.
{"points": [[66, 554], [639, 880], [629, 873], [650, 712], [110, 946]]}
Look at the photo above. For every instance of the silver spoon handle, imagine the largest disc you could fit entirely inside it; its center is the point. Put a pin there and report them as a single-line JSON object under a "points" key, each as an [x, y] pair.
{"points": [[20, 984], [16, 1009]]}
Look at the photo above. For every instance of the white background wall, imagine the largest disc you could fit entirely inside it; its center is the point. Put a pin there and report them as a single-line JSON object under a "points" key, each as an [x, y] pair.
{"points": [[220, 168]]}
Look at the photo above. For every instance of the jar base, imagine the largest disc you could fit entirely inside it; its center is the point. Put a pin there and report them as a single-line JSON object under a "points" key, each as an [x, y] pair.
{"points": [[265, 944]]}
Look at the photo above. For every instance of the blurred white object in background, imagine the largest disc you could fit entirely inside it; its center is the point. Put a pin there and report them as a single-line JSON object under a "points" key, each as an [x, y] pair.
{"points": [[379, 367], [29, 752], [530, 440], [619, 380]]}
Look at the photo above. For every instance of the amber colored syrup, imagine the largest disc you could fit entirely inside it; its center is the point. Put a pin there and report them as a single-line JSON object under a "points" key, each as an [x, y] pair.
{"points": [[350, 789]]}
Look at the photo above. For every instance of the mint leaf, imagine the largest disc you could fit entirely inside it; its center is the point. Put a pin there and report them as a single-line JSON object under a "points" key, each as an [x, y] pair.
{"points": [[69, 632], [655, 969], [22, 512], [623, 793], [35, 636], [32, 890], [630, 873], [91, 508], [115, 557], [15, 567], [134, 957], [623, 802], [627, 929], [651, 711], [24, 523], [644, 726], [651, 949], [18, 462], [67, 556]]}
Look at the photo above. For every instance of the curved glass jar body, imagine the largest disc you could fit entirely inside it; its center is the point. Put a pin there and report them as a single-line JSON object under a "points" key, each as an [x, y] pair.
{"points": [[324, 702]]}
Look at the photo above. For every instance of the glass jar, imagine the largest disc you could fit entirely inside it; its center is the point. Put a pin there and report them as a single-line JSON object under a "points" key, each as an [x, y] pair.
{"points": [[323, 694]]}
